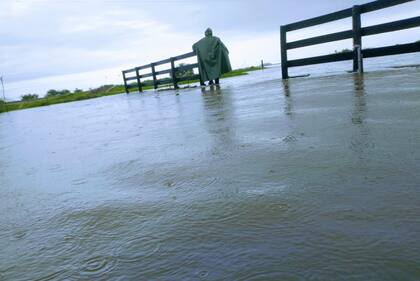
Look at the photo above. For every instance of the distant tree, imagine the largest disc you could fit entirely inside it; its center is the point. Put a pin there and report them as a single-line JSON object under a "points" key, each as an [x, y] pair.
{"points": [[29, 97], [54, 93], [51, 93], [77, 91], [183, 72]]}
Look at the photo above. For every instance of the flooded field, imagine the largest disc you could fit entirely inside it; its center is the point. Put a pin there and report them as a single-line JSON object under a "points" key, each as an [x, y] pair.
{"points": [[315, 179]]}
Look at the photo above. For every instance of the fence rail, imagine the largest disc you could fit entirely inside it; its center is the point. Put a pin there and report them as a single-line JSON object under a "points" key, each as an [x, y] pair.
{"points": [[154, 74], [356, 33]]}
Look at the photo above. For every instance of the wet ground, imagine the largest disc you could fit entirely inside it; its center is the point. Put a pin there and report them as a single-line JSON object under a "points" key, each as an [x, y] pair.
{"points": [[314, 179]]}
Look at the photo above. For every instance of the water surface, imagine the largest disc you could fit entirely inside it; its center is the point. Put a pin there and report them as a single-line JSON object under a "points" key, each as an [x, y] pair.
{"points": [[314, 179]]}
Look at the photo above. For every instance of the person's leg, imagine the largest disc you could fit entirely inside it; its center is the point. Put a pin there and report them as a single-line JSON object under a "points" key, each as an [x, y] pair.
{"points": [[217, 81], [211, 82]]}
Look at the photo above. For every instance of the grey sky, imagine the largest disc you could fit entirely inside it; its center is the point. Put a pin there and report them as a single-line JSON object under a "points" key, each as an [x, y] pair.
{"points": [[46, 39]]}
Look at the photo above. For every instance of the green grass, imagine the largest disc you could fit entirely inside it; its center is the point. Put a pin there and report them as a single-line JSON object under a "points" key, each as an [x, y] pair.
{"points": [[242, 71], [57, 99], [102, 91], [3, 106]]}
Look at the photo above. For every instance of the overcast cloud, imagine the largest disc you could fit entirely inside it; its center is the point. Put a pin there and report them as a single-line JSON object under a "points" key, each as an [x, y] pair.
{"points": [[67, 44]]}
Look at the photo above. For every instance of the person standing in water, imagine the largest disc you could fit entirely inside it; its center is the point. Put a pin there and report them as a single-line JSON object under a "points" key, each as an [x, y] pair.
{"points": [[213, 58]]}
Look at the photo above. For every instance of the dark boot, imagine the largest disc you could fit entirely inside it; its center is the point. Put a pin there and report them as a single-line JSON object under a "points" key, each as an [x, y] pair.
{"points": [[217, 81], [202, 83]]}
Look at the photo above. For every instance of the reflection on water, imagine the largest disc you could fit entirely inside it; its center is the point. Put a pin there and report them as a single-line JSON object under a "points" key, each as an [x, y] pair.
{"points": [[260, 179], [288, 102], [218, 110], [359, 114], [360, 141]]}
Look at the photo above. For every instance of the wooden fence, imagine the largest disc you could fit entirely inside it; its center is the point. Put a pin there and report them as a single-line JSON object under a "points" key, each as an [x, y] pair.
{"points": [[356, 33], [137, 78]]}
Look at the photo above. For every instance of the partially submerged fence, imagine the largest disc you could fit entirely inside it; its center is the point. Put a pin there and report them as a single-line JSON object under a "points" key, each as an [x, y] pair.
{"points": [[153, 74], [356, 34]]}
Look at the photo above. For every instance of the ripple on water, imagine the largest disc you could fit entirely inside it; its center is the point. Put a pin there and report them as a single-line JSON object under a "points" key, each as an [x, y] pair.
{"points": [[192, 182], [19, 234], [70, 244], [138, 248], [203, 274], [55, 168], [79, 181], [97, 266], [270, 275], [58, 275], [103, 221], [290, 139], [265, 190]]}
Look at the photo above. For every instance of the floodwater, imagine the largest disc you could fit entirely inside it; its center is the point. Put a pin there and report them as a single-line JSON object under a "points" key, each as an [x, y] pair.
{"points": [[316, 179]]}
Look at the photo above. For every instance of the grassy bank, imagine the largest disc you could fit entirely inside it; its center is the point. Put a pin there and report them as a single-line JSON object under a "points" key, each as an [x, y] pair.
{"points": [[105, 90]]}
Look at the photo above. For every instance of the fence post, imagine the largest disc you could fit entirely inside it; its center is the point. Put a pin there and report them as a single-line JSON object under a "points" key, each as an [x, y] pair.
{"points": [[173, 73], [138, 80], [125, 83], [357, 40], [283, 42], [155, 84]]}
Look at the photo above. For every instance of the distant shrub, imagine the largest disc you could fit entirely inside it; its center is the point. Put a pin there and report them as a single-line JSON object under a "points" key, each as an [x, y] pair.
{"points": [[343, 51], [101, 89], [29, 97], [184, 72]]}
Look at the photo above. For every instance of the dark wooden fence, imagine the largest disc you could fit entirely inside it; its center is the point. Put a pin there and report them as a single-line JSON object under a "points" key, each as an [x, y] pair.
{"points": [[153, 74], [356, 33]]}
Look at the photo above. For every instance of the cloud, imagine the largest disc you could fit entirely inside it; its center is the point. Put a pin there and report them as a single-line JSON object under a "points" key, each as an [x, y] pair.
{"points": [[16, 9], [63, 43]]}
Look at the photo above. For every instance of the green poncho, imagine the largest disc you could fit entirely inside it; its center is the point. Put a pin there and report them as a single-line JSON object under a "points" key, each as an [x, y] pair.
{"points": [[212, 56]]}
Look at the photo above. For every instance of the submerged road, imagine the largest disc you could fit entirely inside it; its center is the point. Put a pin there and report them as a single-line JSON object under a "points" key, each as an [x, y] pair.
{"points": [[314, 179]]}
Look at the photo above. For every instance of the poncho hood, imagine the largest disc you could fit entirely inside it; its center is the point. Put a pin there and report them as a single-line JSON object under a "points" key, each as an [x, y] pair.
{"points": [[208, 32]]}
